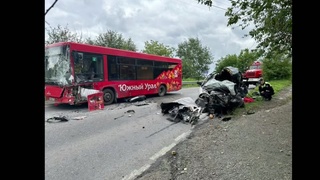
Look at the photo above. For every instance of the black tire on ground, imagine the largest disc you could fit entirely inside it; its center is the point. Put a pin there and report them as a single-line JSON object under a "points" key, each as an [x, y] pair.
{"points": [[108, 96], [162, 90]]}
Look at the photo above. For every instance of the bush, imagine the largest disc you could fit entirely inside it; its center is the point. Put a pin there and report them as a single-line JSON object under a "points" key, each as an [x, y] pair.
{"points": [[277, 68]]}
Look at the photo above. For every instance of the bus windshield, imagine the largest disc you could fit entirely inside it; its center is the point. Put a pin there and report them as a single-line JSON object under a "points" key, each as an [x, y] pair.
{"points": [[57, 66]]}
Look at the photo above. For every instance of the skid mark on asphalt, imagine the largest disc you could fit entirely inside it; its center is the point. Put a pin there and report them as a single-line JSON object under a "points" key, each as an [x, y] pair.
{"points": [[161, 129]]}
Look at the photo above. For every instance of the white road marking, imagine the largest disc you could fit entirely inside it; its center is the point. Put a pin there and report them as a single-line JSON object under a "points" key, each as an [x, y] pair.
{"points": [[182, 136], [136, 172], [162, 152]]}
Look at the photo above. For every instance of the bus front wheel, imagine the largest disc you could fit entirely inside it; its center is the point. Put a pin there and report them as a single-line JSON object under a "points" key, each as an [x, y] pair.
{"points": [[108, 96], [162, 90]]}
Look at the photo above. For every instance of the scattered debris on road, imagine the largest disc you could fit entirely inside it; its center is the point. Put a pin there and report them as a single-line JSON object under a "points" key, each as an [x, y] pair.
{"points": [[141, 104], [79, 118], [57, 119], [183, 109], [138, 98], [130, 112], [173, 153], [118, 117]]}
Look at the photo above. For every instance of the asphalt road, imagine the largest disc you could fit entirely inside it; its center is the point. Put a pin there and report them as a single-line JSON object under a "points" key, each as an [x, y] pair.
{"points": [[111, 143]]}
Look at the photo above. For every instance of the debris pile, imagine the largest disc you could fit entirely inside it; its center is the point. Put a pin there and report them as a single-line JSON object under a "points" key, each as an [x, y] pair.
{"points": [[220, 94], [183, 109], [57, 119]]}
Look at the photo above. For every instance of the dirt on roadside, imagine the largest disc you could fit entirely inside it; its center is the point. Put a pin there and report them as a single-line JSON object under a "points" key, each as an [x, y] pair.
{"points": [[255, 146]]}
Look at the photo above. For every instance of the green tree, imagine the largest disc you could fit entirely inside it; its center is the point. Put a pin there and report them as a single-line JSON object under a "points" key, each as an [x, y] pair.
{"points": [[89, 40], [129, 45], [245, 59], [241, 61], [114, 40], [154, 47], [62, 34], [229, 60], [272, 20], [195, 58], [277, 68]]}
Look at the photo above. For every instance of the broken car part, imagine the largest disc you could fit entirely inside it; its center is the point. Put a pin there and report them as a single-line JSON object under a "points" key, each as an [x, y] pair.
{"points": [[57, 119]]}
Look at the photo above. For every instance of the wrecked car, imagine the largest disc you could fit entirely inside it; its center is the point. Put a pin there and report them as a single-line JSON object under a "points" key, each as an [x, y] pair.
{"points": [[223, 92], [220, 94]]}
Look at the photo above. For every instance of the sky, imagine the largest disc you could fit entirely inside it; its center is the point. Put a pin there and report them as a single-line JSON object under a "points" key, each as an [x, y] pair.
{"points": [[169, 22]]}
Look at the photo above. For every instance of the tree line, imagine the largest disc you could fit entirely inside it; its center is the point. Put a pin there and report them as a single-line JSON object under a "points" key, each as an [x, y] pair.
{"points": [[272, 20]]}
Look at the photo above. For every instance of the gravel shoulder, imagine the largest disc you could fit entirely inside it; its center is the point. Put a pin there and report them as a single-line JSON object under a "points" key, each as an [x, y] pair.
{"points": [[256, 146]]}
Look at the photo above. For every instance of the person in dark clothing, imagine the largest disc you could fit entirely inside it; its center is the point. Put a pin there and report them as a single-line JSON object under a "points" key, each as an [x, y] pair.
{"points": [[266, 90]]}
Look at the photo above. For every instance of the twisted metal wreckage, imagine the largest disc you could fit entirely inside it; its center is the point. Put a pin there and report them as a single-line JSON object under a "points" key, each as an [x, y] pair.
{"points": [[220, 94]]}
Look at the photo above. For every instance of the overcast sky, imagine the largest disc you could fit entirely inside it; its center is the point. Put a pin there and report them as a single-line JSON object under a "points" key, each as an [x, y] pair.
{"points": [[167, 21]]}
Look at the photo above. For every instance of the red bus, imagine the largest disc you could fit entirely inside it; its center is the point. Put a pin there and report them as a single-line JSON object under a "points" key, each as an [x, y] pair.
{"points": [[74, 70]]}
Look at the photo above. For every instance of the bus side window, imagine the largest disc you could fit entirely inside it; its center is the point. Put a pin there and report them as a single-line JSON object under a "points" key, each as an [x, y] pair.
{"points": [[127, 68], [89, 67], [113, 68], [127, 72], [159, 67], [144, 69]]}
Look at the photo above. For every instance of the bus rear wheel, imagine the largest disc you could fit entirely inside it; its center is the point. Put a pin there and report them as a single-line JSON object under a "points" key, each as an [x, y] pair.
{"points": [[108, 96], [162, 90]]}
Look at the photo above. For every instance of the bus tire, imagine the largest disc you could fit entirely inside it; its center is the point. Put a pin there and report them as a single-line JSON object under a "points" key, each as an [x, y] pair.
{"points": [[162, 90], [108, 96]]}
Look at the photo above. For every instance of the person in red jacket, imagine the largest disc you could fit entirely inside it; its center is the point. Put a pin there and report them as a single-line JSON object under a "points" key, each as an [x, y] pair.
{"points": [[266, 90]]}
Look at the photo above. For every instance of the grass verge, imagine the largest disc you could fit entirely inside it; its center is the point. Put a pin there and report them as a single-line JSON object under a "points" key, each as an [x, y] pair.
{"points": [[278, 85]]}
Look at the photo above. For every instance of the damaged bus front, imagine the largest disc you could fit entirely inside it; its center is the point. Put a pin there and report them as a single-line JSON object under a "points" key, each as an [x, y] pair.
{"points": [[60, 85], [58, 74]]}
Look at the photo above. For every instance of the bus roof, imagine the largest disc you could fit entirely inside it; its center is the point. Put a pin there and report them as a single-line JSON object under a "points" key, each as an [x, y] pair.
{"points": [[113, 51]]}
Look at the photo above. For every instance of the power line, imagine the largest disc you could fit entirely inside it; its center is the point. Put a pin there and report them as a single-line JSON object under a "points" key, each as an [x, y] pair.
{"points": [[221, 2], [48, 24], [219, 7], [202, 8], [252, 45]]}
